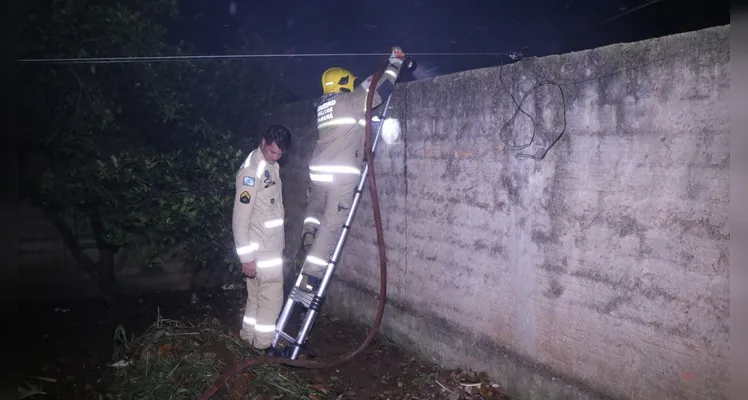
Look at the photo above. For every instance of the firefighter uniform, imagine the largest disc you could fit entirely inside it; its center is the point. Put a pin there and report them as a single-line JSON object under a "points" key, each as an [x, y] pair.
{"points": [[336, 164], [259, 236]]}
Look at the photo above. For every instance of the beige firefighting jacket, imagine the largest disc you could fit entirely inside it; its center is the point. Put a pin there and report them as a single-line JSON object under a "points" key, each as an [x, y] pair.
{"points": [[258, 214], [341, 127]]}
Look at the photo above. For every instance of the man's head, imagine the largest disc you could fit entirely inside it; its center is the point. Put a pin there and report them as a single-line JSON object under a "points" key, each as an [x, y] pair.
{"points": [[275, 142]]}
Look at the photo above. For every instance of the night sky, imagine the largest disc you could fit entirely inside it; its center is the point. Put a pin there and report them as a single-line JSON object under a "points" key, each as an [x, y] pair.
{"points": [[533, 27]]}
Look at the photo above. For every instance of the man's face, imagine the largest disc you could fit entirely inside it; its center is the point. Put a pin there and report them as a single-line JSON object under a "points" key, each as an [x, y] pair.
{"points": [[271, 152]]}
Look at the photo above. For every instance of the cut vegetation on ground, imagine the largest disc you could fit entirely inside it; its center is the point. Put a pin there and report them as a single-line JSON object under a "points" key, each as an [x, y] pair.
{"points": [[92, 352]]}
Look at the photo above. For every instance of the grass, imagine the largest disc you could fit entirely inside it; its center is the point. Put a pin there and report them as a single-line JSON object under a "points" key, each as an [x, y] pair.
{"points": [[28, 389], [174, 360]]}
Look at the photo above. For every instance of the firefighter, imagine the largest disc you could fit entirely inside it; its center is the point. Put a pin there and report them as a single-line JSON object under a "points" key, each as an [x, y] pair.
{"points": [[259, 237], [335, 167]]}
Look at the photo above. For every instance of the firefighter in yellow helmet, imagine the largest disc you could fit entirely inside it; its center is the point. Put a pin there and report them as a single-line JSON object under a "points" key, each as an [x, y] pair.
{"points": [[257, 224], [335, 167]]}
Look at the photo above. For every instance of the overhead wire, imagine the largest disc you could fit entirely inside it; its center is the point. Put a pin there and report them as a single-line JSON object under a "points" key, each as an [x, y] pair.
{"points": [[514, 56], [116, 60], [146, 59]]}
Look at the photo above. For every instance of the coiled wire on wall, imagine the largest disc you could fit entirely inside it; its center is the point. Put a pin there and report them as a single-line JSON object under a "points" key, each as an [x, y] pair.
{"points": [[519, 109]]}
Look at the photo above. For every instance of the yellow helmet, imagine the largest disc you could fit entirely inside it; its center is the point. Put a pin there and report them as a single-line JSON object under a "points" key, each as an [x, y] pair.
{"points": [[337, 79]]}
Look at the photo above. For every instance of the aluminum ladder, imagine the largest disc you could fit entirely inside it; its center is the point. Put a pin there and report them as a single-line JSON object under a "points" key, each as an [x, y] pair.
{"points": [[309, 298]]}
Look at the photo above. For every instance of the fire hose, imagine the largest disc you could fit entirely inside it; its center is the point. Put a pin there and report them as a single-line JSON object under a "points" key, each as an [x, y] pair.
{"points": [[309, 364]]}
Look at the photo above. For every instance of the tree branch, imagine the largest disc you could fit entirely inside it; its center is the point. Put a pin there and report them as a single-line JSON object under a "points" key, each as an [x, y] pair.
{"points": [[106, 250], [71, 241]]}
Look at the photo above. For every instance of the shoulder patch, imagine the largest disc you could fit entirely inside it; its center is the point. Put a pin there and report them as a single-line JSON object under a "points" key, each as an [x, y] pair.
{"points": [[245, 197], [248, 181]]}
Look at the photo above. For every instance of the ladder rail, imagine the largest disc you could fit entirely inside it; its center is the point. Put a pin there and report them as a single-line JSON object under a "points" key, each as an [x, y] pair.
{"points": [[321, 291]]}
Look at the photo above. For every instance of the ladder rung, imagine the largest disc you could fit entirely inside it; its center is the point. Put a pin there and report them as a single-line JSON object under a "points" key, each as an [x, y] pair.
{"points": [[302, 296], [286, 336]]}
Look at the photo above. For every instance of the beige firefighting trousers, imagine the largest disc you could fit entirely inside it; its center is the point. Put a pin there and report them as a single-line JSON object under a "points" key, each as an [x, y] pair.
{"points": [[335, 167], [259, 236]]}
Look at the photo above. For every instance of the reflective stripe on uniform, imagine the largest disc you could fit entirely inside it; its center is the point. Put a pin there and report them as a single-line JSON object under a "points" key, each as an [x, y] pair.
{"points": [[274, 262], [338, 122], [321, 177], [247, 249], [346, 121], [316, 261], [274, 223], [362, 121], [329, 171], [262, 328], [335, 169], [311, 220]]}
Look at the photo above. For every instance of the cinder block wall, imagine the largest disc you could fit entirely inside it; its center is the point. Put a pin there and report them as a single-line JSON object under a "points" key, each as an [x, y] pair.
{"points": [[600, 271]]}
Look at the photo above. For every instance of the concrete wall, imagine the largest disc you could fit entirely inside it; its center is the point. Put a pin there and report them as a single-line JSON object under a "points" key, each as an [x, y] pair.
{"points": [[601, 270]]}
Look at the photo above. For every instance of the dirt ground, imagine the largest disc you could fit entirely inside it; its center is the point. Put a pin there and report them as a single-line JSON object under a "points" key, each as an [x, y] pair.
{"points": [[68, 347]]}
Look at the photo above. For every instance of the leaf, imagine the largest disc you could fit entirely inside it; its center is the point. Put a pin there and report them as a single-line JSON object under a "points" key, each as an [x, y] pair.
{"points": [[163, 349], [168, 185], [320, 388]]}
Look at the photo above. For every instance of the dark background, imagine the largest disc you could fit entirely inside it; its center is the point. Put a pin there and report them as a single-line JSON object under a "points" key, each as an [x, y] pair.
{"points": [[533, 27]]}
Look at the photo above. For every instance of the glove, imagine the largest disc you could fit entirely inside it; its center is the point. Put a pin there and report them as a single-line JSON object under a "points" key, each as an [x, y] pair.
{"points": [[397, 57]]}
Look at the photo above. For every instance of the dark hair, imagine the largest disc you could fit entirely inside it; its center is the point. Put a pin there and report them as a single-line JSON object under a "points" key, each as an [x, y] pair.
{"points": [[279, 135]]}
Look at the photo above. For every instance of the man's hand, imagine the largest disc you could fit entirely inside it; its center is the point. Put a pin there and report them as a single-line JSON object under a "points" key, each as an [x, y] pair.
{"points": [[398, 53], [249, 269], [397, 56]]}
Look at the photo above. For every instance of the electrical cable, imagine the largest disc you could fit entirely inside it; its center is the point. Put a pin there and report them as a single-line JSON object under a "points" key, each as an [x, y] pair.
{"points": [[519, 109], [115, 60], [546, 81], [309, 364]]}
